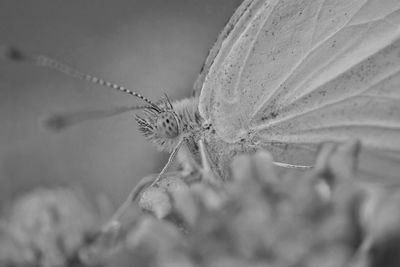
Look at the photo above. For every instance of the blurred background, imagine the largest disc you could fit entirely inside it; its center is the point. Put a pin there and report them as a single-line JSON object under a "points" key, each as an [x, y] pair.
{"points": [[152, 46]]}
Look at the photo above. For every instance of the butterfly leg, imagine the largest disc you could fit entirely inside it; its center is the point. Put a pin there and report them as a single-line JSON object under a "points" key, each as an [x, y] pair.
{"points": [[292, 166], [206, 170], [169, 163], [115, 222]]}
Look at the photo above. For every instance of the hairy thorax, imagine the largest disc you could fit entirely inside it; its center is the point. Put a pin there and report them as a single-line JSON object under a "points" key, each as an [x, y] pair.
{"points": [[219, 153], [169, 124]]}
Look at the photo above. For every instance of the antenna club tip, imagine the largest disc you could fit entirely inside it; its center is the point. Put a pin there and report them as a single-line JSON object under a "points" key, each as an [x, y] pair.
{"points": [[8, 52], [55, 123]]}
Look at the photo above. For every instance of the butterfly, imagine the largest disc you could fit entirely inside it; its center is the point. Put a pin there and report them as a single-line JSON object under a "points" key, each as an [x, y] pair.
{"points": [[287, 75], [284, 76]]}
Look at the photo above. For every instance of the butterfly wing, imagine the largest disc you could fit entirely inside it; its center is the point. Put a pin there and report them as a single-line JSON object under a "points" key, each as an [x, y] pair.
{"points": [[239, 12], [293, 74]]}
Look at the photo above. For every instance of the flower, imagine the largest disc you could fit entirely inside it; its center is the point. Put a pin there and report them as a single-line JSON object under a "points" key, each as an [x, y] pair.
{"points": [[47, 227]]}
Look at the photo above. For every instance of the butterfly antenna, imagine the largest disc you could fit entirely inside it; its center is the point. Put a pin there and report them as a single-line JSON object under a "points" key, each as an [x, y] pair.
{"points": [[58, 122], [17, 55], [168, 101]]}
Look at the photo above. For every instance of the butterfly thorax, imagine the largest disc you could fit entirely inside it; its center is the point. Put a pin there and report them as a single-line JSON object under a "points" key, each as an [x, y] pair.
{"points": [[167, 123]]}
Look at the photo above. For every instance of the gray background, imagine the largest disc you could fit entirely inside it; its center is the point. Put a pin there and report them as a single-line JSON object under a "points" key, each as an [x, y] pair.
{"points": [[152, 46]]}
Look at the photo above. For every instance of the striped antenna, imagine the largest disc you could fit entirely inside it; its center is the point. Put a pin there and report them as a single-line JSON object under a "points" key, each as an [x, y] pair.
{"points": [[17, 55]]}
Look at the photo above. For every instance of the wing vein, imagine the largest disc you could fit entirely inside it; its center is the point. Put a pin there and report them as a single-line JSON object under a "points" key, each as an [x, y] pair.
{"points": [[327, 104], [247, 57], [368, 125], [317, 19], [326, 63], [292, 70], [310, 76], [276, 123]]}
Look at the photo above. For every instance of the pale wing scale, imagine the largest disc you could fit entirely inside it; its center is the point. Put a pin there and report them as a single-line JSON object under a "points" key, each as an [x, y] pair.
{"points": [[297, 73], [375, 10], [250, 69], [338, 73], [363, 102], [219, 54], [217, 46]]}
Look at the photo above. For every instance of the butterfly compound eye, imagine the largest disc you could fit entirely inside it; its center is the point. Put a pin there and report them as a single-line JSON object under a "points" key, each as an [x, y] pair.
{"points": [[167, 126]]}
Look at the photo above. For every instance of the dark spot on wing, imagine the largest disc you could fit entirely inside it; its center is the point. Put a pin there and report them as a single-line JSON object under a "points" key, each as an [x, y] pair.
{"points": [[270, 116]]}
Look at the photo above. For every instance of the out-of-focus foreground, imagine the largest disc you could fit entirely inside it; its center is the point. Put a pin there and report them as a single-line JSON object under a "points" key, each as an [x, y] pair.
{"points": [[265, 217]]}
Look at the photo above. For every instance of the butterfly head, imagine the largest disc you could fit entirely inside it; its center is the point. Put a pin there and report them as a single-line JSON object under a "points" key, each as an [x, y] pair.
{"points": [[167, 125], [160, 124]]}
